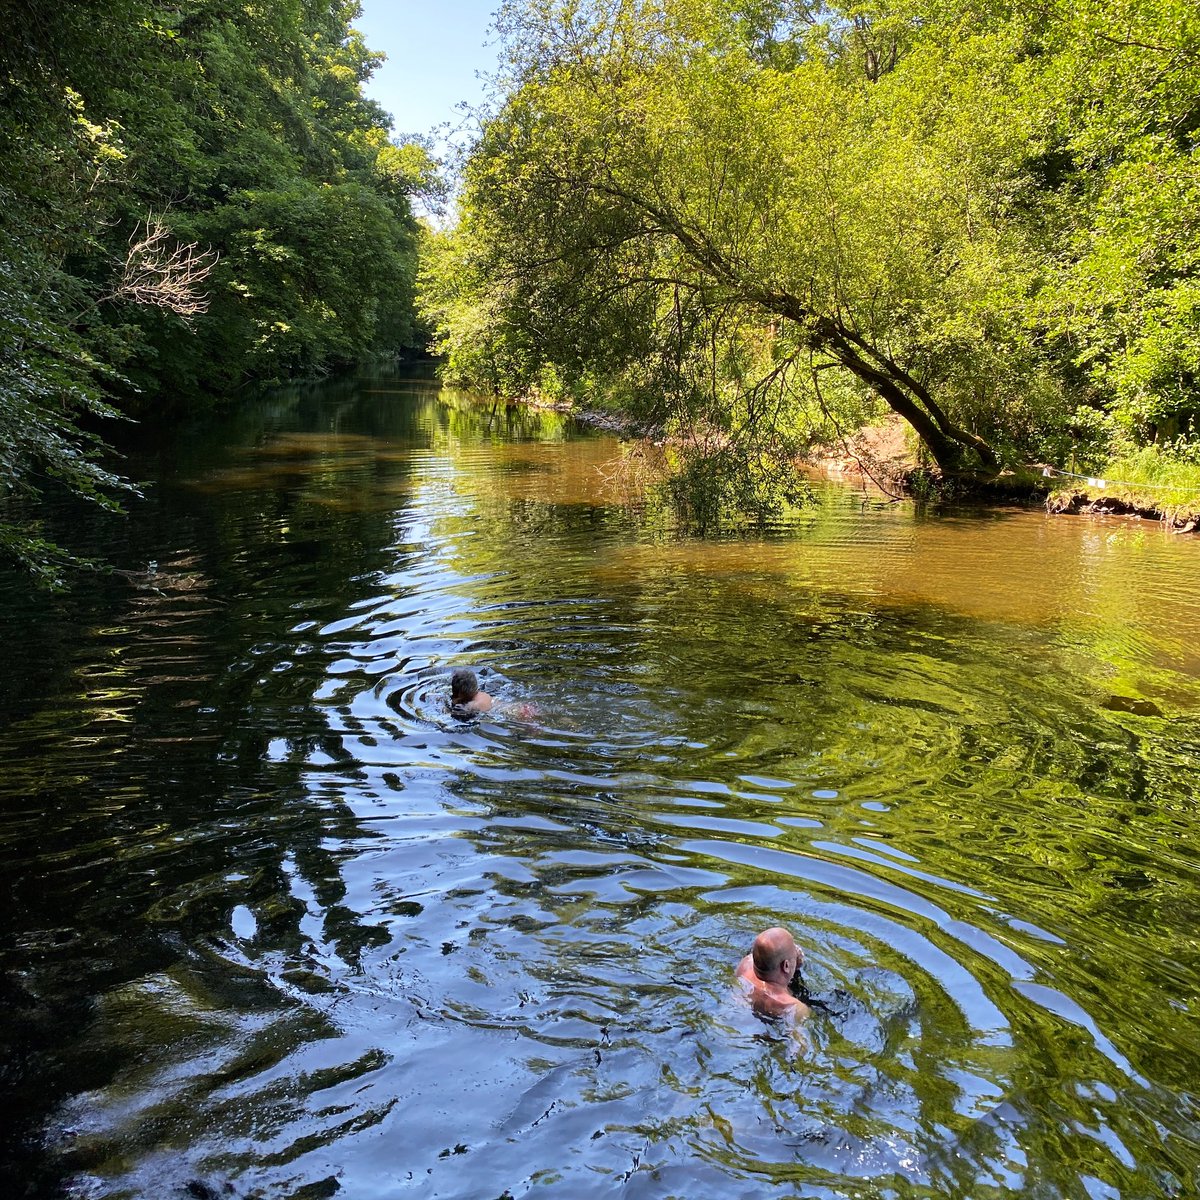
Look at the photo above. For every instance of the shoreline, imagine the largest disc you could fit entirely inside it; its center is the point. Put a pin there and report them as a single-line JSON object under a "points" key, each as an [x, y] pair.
{"points": [[880, 456]]}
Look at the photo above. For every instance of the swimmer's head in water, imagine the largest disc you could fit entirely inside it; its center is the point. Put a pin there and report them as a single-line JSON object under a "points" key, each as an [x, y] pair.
{"points": [[776, 956], [464, 687]]}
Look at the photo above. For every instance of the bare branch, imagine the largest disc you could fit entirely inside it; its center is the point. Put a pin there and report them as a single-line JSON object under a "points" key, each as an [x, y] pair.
{"points": [[161, 273]]}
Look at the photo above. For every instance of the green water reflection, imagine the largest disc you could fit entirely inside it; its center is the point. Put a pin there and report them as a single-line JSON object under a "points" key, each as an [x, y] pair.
{"points": [[274, 921]]}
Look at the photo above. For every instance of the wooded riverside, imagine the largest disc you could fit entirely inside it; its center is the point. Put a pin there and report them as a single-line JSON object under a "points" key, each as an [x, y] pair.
{"points": [[779, 220], [469, 727], [192, 198], [752, 226]]}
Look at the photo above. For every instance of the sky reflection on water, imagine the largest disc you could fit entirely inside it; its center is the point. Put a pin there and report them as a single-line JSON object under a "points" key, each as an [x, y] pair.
{"points": [[278, 921]]}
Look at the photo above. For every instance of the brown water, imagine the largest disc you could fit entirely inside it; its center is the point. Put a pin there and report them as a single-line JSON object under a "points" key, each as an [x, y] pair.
{"points": [[276, 925]]}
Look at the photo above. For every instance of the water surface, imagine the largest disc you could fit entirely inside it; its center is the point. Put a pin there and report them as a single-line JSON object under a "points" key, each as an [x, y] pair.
{"points": [[275, 922]]}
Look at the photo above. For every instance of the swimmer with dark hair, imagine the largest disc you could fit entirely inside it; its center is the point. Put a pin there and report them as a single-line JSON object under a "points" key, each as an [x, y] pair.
{"points": [[767, 973], [466, 700]]}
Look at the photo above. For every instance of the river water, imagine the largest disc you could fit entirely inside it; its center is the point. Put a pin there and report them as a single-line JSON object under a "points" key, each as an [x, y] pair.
{"points": [[276, 925]]}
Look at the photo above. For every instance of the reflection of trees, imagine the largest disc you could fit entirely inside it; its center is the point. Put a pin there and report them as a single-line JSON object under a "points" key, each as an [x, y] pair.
{"points": [[981, 748], [140, 803], [470, 420], [892, 698], [162, 779]]}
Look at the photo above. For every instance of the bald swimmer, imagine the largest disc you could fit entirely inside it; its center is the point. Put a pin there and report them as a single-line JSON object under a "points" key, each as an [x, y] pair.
{"points": [[765, 973]]}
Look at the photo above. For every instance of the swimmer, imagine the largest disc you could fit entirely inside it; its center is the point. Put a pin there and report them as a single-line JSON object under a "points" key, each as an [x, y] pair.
{"points": [[768, 972], [466, 700]]}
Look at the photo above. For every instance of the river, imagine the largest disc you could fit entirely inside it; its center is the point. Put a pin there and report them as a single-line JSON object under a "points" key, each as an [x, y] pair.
{"points": [[275, 924]]}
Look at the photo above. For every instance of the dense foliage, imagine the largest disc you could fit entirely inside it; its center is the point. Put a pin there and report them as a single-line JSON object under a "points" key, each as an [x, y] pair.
{"points": [[191, 197], [750, 221]]}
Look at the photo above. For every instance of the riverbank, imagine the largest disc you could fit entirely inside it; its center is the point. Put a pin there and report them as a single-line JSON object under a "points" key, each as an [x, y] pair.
{"points": [[884, 456], [1072, 500]]}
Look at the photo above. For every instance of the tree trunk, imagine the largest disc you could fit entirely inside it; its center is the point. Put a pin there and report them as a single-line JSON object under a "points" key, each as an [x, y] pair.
{"points": [[946, 441], [946, 449]]}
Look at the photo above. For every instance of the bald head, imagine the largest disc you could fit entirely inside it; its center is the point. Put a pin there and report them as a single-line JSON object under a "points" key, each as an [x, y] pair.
{"points": [[776, 955]]}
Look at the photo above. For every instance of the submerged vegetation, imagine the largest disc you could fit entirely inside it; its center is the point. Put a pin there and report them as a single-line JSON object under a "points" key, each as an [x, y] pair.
{"points": [[191, 198], [756, 224]]}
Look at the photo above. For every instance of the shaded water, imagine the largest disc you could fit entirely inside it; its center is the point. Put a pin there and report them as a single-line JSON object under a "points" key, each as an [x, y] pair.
{"points": [[274, 924]]}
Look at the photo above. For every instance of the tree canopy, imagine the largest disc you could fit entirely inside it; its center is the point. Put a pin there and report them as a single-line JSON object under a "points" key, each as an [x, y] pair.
{"points": [[751, 218], [191, 198]]}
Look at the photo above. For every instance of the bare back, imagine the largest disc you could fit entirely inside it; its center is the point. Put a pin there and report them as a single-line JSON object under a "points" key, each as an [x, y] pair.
{"points": [[768, 999]]}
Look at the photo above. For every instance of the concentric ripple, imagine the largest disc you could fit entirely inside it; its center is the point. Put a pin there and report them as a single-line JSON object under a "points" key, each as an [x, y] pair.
{"points": [[281, 924]]}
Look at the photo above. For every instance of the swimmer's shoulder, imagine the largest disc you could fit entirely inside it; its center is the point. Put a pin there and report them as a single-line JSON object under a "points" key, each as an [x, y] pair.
{"points": [[768, 1001]]}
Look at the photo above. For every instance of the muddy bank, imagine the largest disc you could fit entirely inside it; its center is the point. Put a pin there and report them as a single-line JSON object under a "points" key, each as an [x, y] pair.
{"points": [[1103, 506], [884, 457], [904, 477]]}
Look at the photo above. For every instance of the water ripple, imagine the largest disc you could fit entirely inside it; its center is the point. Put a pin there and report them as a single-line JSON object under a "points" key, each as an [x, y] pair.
{"points": [[286, 924]]}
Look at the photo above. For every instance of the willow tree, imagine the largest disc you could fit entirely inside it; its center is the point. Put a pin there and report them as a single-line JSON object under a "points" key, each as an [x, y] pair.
{"points": [[685, 197]]}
